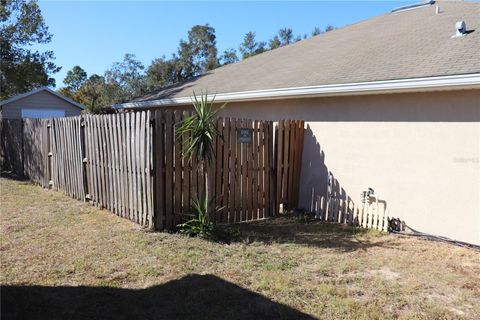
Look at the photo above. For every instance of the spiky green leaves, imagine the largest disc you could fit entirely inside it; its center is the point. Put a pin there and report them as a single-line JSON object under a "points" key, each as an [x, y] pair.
{"points": [[200, 130]]}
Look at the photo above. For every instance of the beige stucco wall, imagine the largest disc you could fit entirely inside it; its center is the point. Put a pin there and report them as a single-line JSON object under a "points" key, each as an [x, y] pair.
{"points": [[40, 100], [418, 151]]}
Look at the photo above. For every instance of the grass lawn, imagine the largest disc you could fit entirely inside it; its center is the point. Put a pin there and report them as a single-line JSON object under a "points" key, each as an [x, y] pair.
{"points": [[64, 259]]}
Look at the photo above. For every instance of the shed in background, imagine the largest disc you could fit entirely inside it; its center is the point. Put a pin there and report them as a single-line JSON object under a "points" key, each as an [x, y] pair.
{"points": [[39, 103]]}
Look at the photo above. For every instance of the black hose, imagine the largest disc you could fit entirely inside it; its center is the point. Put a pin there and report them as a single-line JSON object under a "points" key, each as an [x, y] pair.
{"points": [[432, 237]]}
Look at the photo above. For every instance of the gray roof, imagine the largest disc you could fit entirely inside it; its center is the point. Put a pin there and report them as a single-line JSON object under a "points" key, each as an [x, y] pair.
{"points": [[35, 91], [401, 45]]}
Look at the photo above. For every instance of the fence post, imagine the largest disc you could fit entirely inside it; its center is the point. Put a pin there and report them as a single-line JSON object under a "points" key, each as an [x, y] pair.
{"points": [[22, 154], [278, 152], [83, 152], [158, 199], [48, 175]]}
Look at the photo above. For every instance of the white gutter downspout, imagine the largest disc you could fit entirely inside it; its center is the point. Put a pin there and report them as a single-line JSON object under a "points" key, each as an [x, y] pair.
{"points": [[466, 81]]}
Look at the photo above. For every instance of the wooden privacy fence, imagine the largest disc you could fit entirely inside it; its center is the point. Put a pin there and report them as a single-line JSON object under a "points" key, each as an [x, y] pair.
{"points": [[67, 151], [132, 164], [119, 164]]}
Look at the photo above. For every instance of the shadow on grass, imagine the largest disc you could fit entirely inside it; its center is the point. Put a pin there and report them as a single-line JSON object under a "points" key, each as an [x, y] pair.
{"points": [[191, 297], [287, 229]]}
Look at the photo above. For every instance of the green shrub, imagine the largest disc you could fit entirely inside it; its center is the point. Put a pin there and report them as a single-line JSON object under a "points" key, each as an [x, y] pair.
{"points": [[200, 225]]}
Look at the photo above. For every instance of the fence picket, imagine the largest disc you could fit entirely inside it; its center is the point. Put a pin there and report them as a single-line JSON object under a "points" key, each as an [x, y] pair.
{"points": [[254, 171], [218, 170], [238, 172], [169, 170], [141, 171], [177, 176]]}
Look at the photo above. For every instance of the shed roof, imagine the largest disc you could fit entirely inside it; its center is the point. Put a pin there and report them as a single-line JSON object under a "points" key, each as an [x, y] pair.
{"points": [[35, 91]]}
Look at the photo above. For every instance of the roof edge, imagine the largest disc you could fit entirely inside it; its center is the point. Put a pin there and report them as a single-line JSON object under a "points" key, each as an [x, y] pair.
{"points": [[58, 95], [455, 82]]}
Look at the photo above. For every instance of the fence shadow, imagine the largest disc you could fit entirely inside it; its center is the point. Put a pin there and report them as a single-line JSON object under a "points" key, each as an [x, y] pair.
{"points": [[191, 297], [315, 175], [11, 144], [289, 229], [318, 181]]}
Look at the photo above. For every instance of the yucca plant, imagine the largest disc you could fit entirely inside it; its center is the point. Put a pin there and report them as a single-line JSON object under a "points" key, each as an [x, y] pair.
{"points": [[200, 130], [200, 225]]}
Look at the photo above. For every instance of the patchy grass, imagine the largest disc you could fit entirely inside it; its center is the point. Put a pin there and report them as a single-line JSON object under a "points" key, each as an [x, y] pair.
{"points": [[61, 258]]}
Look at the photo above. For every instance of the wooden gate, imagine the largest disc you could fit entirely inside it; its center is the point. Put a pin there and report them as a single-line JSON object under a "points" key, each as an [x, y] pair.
{"points": [[241, 180], [36, 150], [289, 149], [244, 162]]}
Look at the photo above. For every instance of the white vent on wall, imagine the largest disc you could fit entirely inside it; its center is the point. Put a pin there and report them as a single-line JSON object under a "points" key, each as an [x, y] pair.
{"points": [[460, 29]]}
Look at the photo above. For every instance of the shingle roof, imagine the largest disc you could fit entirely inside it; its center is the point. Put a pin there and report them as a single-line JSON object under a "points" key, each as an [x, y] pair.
{"points": [[408, 44], [35, 91]]}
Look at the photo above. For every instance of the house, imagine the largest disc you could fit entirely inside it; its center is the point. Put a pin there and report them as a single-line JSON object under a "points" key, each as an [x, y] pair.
{"points": [[391, 103], [39, 103]]}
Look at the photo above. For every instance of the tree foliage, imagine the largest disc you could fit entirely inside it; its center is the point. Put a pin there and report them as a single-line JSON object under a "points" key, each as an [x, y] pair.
{"points": [[316, 31], [250, 47], [91, 93], [286, 36], [125, 79], [163, 72], [329, 27], [274, 43], [75, 78], [229, 56], [21, 68], [199, 53]]}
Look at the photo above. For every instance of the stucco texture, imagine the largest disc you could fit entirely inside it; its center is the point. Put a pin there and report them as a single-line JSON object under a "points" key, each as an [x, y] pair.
{"points": [[418, 151]]}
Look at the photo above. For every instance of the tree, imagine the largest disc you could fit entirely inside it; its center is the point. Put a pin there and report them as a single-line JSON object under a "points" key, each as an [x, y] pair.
{"points": [[91, 92], [68, 93], [329, 27], [163, 72], [229, 56], [125, 79], [316, 31], [199, 54], [75, 78], [286, 36], [274, 43], [23, 69], [250, 46], [201, 130]]}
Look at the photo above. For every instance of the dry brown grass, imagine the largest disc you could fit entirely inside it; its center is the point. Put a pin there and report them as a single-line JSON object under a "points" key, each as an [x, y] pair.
{"points": [[61, 258]]}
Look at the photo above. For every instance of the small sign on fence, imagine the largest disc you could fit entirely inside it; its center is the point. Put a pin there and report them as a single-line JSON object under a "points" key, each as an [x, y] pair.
{"points": [[244, 135]]}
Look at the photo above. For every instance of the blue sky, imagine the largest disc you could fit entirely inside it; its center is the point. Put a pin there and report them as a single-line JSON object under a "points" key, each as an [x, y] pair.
{"points": [[94, 34]]}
